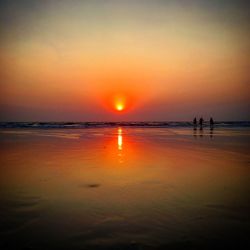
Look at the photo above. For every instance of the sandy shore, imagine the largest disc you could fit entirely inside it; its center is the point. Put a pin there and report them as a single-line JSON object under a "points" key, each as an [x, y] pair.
{"points": [[124, 188]]}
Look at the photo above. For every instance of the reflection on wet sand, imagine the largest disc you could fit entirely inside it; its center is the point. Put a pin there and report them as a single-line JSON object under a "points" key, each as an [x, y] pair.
{"points": [[195, 133], [122, 188], [211, 132], [119, 144], [119, 139], [200, 132]]}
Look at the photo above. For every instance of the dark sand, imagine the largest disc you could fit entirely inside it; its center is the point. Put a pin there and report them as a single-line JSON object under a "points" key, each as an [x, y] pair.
{"points": [[128, 188]]}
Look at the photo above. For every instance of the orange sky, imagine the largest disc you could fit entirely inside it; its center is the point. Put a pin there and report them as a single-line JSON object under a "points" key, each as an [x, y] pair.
{"points": [[162, 60]]}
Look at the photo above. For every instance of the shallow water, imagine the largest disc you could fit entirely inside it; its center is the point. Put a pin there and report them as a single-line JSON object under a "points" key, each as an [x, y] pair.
{"points": [[124, 188]]}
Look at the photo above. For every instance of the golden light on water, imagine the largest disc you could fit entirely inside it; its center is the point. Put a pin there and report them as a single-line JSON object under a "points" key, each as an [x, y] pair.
{"points": [[119, 139]]}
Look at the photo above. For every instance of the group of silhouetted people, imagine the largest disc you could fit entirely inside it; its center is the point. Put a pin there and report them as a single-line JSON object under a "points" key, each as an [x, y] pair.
{"points": [[201, 123]]}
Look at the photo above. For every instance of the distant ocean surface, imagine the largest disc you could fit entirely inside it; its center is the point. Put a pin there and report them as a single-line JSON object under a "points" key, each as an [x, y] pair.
{"points": [[41, 125]]}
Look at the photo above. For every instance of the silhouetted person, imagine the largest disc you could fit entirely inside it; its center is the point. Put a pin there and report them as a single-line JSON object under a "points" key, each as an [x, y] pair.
{"points": [[201, 123], [195, 123], [211, 123]]}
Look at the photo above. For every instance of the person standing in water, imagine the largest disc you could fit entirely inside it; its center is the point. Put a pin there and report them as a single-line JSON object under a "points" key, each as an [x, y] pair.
{"points": [[201, 123], [195, 123], [211, 123]]}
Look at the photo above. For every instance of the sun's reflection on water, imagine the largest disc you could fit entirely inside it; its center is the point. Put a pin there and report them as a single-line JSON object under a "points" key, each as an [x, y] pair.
{"points": [[119, 145], [119, 139]]}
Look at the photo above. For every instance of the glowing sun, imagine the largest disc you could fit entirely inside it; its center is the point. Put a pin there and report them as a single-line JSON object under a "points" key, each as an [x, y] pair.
{"points": [[119, 107]]}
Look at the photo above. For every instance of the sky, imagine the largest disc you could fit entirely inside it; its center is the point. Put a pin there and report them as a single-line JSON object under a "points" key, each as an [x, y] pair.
{"points": [[117, 60]]}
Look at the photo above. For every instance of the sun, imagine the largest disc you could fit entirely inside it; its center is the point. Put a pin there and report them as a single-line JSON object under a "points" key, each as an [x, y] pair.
{"points": [[119, 106], [119, 102]]}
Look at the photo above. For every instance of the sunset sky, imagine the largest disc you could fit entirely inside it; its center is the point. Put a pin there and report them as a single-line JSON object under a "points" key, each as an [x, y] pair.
{"points": [[134, 60]]}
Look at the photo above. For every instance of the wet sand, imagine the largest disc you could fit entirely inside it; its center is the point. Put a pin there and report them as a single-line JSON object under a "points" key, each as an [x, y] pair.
{"points": [[124, 188]]}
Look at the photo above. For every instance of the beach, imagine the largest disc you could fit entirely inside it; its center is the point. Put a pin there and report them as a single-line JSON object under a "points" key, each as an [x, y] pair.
{"points": [[124, 188]]}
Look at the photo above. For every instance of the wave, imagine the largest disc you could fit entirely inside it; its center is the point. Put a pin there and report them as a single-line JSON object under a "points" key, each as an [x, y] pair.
{"points": [[72, 125]]}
